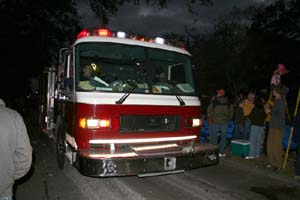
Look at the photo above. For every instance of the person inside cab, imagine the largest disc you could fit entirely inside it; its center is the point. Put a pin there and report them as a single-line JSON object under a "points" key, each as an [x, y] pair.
{"points": [[160, 82], [89, 80], [160, 76]]}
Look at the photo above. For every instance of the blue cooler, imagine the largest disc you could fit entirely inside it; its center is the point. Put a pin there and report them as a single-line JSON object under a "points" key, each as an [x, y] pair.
{"points": [[239, 147]]}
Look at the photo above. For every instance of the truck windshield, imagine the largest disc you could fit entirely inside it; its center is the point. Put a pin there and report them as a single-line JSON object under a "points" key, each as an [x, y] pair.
{"points": [[114, 67]]}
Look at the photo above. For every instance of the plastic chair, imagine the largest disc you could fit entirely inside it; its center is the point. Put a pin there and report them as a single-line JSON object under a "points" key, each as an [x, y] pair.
{"points": [[230, 129]]}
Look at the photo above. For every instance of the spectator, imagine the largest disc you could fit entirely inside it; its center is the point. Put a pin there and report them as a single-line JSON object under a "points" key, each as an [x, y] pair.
{"points": [[276, 128], [247, 106], [276, 77], [257, 117], [220, 112], [15, 150], [239, 118]]}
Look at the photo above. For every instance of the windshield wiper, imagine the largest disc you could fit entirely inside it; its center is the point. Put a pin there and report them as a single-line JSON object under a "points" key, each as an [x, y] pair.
{"points": [[173, 90], [182, 103], [132, 86]]}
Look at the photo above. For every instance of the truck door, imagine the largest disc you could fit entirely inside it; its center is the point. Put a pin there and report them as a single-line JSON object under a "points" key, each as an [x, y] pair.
{"points": [[65, 89]]}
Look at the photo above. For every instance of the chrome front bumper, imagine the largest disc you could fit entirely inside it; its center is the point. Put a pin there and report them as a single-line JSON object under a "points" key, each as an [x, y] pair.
{"points": [[146, 163]]}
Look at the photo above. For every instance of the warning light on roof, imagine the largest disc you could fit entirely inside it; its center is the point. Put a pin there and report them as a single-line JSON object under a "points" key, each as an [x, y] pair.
{"points": [[83, 33], [98, 32], [159, 40], [121, 34], [104, 32]]}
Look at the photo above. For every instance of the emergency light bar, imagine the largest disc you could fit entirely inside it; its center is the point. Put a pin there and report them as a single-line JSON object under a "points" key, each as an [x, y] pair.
{"points": [[105, 32]]}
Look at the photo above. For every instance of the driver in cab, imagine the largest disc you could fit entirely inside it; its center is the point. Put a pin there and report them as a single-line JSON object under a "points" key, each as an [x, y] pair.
{"points": [[88, 80]]}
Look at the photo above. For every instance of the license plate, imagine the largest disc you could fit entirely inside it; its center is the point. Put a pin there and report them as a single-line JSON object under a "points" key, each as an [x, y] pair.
{"points": [[170, 163]]}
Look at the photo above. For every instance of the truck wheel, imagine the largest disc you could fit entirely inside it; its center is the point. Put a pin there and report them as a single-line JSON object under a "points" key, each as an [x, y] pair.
{"points": [[60, 146]]}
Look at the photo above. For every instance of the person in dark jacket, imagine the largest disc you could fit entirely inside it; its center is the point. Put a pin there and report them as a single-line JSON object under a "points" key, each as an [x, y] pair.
{"points": [[15, 150], [257, 118], [239, 118], [219, 112]]}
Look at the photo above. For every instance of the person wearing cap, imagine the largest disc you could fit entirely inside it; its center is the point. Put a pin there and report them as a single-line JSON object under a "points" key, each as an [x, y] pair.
{"points": [[276, 128], [219, 112], [15, 150], [276, 77], [276, 80]]}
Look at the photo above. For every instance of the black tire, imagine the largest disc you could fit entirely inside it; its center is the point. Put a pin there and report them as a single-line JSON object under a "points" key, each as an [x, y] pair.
{"points": [[60, 146]]}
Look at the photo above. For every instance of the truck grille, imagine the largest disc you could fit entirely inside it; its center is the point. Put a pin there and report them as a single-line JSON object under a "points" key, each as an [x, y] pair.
{"points": [[149, 123]]}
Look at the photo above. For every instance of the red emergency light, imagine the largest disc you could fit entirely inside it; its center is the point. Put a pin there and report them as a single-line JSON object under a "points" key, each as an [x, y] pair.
{"points": [[104, 32], [83, 33]]}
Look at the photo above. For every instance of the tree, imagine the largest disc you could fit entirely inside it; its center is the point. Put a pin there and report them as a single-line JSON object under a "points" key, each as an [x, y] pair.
{"points": [[276, 29], [218, 55], [275, 37], [31, 35]]}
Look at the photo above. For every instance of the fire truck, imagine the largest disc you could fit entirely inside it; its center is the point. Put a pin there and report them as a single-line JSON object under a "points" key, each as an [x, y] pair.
{"points": [[120, 104]]}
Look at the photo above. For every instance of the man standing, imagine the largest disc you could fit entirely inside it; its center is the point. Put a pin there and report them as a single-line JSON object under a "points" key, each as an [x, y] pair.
{"points": [[220, 112], [239, 118], [15, 150]]}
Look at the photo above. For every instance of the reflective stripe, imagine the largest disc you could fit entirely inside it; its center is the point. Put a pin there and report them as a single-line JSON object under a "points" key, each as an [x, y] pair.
{"points": [[141, 140], [134, 99]]}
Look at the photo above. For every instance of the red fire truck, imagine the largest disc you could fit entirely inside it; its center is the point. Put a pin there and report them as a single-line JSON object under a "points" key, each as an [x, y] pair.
{"points": [[120, 104]]}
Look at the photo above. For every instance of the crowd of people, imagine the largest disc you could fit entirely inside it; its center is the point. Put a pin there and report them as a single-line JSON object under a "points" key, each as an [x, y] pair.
{"points": [[258, 120]]}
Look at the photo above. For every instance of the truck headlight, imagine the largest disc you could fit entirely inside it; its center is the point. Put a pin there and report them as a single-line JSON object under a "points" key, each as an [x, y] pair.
{"points": [[192, 122], [91, 123]]}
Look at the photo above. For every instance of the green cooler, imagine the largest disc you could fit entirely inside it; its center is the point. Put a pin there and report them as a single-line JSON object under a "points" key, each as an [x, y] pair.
{"points": [[240, 147]]}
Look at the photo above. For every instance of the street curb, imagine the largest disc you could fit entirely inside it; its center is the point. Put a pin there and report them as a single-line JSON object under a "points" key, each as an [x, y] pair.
{"points": [[260, 171]]}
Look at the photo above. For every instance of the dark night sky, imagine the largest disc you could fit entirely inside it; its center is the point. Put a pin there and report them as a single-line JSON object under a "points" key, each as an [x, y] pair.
{"points": [[152, 20]]}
